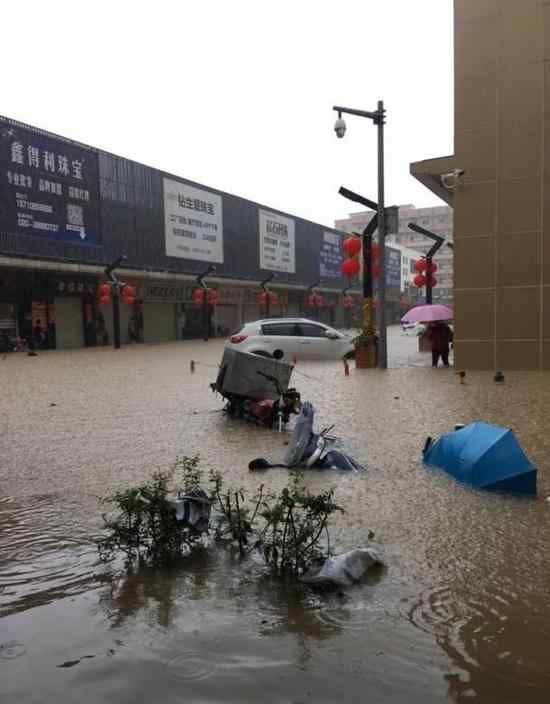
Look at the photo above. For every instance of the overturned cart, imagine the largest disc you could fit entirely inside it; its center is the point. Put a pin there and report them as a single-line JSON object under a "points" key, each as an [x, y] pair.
{"points": [[256, 388]]}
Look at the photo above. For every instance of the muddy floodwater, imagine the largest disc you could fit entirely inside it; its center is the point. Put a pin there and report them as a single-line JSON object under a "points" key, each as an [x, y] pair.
{"points": [[462, 611]]}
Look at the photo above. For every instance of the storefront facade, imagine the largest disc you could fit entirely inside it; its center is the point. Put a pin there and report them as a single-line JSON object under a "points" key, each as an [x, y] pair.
{"points": [[67, 210]]}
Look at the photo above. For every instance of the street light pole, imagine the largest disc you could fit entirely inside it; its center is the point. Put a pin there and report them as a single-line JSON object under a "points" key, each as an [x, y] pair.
{"points": [[205, 302], [115, 294], [381, 309], [378, 118], [429, 256]]}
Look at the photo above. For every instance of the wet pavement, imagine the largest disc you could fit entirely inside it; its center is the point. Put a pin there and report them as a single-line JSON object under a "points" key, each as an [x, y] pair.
{"points": [[461, 611]]}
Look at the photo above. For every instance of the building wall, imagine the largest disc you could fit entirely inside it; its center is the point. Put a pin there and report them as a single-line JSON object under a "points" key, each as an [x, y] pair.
{"points": [[126, 209], [438, 219], [68, 209], [501, 210]]}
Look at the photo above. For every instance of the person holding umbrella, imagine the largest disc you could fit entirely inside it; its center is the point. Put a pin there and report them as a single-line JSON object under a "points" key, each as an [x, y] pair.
{"points": [[440, 336]]}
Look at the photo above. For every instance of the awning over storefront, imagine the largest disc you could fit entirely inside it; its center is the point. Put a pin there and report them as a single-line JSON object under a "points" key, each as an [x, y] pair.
{"points": [[429, 173]]}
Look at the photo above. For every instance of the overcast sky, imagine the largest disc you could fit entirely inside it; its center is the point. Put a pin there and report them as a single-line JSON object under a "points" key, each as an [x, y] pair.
{"points": [[237, 94]]}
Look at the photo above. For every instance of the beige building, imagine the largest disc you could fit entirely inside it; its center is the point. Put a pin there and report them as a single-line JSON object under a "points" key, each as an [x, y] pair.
{"points": [[502, 201]]}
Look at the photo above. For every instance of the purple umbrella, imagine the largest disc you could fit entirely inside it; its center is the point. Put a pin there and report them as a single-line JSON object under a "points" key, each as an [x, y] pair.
{"points": [[428, 314]]}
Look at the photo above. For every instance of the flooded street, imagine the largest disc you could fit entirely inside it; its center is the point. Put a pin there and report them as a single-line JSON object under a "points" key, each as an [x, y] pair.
{"points": [[461, 612]]}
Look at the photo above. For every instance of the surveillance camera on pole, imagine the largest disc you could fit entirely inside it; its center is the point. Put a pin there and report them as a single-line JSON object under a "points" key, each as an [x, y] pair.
{"points": [[340, 127]]}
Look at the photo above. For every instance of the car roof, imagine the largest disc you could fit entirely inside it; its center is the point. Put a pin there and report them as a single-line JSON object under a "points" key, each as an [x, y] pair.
{"points": [[286, 320]]}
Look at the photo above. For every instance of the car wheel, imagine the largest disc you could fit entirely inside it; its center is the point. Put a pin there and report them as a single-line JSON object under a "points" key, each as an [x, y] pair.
{"points": [[278, 354], [261, 353]]}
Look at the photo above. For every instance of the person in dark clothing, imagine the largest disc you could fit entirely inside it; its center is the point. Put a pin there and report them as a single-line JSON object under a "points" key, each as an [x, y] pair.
{"points": [[440, 336], [37, 334]]}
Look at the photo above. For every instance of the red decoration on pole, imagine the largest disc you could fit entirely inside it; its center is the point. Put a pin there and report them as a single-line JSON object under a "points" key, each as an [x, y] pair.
{"points": [[273, 299], [198, 296], [318, 300], [432, 267], [350, 268], [352, 246], [420, 265], [434, 281], [375, 271], [375, 250], [419, 280], [348, 302], [213, 298], [104, 290], [104, 300], [262, 297]]}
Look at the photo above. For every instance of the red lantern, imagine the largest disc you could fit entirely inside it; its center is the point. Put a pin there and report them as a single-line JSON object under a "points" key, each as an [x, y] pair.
{"points": [[419, 280], [420, 265], [310, 301], [375, 271], [318, 300], [375, 250], [104, 300], [129, 291], [348, 302], [213, 299], [350, 268], [434, 281], [198, 296], [432, 267], [262, 297], [352, 246], [273, 299], [104, 290]]}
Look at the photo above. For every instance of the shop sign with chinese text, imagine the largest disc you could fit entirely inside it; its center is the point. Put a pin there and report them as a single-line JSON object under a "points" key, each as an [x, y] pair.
{"points": [[193, 222], [48, 188], [277, 246]]}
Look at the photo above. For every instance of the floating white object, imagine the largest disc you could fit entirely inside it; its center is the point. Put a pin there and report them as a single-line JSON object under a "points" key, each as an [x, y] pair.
{"points": [[345, 569]]}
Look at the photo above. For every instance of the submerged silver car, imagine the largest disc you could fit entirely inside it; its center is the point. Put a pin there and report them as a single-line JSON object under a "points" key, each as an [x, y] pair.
{"points": [[289, 338]]}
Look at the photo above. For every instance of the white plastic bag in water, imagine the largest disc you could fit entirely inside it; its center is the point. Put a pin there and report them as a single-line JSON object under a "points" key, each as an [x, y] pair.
{"points": [[345, 569]]}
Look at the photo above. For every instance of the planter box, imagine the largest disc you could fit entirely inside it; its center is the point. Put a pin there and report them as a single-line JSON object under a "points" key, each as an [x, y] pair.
{"points": [[366, 357]]}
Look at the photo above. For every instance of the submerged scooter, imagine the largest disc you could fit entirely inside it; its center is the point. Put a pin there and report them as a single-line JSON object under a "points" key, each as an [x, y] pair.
{"points": [[256, 389], [272, 413], [308, 449]]}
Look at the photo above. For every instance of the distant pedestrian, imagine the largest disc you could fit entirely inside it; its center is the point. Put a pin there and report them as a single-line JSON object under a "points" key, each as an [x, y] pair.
{"points": [[440, 336], [38, 335]]}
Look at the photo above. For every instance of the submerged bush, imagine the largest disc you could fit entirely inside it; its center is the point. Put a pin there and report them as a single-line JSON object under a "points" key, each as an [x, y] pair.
{"points": [[290, 530], [145, 526]]}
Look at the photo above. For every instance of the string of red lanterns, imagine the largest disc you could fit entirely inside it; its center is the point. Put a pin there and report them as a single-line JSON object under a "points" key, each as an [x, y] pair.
{"points": [[315, 301], [211, 293], [268, 296], [423, 267], [104, 292]]}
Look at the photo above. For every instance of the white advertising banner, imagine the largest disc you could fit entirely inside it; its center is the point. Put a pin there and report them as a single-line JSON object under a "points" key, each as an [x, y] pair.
{"points": [[277, 247], [192, 222]]}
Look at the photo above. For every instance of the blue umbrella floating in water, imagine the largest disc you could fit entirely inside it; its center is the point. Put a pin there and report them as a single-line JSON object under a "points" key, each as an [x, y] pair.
{"points": [[485, 456]]}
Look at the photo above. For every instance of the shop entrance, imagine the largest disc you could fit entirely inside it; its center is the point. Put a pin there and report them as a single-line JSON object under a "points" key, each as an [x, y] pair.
{"points": [[159, 322], [69, 324]]}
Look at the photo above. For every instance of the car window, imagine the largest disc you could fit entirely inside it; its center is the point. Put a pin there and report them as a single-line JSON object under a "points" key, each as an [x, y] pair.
{"points": [[286, 329], [311, 330]]}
